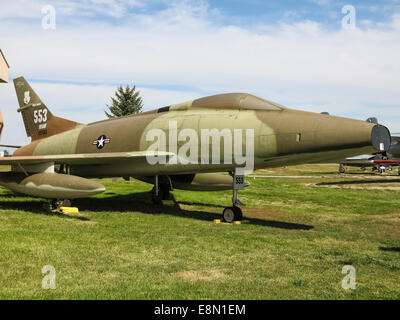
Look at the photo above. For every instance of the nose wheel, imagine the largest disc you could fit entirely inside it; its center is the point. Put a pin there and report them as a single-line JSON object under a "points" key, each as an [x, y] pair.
{"points": [[234, 213]]}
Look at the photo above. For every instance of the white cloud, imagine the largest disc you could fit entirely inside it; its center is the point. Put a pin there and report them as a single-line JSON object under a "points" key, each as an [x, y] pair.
{"points": [[344, 72], [396, 22]]}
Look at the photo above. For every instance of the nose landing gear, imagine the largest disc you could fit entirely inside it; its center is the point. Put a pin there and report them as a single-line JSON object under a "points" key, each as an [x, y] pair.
{"points": [[234, 213]]}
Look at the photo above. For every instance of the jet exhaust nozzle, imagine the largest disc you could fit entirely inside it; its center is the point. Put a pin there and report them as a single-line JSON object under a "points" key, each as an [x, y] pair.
{"points": [[380, 138]]}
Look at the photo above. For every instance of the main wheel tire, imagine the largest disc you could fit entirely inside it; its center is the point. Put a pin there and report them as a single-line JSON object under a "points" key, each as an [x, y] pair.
{"points": [[228, 215]]}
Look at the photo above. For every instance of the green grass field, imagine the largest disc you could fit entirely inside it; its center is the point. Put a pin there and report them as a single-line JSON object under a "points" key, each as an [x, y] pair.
{"points": [[297, 235]]}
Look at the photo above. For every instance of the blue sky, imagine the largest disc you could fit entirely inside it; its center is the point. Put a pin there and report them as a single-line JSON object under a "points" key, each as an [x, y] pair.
{"points": [[323, 11], [293, 52], [253, 12]]}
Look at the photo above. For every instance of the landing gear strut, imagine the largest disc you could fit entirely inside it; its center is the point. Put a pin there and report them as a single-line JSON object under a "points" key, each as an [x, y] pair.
{"points": [[234, 213], [161, 190]]}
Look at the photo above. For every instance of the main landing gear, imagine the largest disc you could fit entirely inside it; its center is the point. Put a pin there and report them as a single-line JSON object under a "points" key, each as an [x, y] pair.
{"points": [[161, 189], [163, 186], [234, 213], [55, 205]]}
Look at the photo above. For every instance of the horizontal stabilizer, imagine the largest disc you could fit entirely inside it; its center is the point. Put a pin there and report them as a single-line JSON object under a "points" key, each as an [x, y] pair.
{"points": [[9, 146]]}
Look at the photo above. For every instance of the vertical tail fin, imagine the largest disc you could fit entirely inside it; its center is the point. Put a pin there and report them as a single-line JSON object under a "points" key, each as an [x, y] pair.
{"points": [[38, 120]]}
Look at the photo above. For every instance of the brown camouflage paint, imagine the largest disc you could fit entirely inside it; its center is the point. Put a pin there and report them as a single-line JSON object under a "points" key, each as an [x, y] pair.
{"points": [[282, 135]]}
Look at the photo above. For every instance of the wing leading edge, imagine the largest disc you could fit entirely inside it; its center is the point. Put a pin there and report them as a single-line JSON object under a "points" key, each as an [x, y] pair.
{"points": [[83, 158]]}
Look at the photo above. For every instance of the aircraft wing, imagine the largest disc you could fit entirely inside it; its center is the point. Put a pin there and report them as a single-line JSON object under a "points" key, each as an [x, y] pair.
{"points": [[83, 158], [369, 162], [361, 157]]}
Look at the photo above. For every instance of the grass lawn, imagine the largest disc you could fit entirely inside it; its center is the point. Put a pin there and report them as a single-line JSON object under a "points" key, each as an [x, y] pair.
{"points": [[297, 235]]}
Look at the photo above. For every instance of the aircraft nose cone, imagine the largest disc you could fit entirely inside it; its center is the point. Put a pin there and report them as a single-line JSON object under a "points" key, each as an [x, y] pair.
{"points": [[380, 138]]}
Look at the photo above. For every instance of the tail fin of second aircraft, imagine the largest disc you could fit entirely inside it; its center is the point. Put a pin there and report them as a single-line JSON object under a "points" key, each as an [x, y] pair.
{"points": [[38, 120]]}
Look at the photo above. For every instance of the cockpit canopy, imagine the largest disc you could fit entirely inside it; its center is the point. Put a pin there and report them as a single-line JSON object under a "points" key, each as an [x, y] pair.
{"points": [[235, 101], [239, 101]]}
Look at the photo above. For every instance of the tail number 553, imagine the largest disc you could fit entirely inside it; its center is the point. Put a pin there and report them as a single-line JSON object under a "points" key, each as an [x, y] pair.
{"points": [[40, 116]]}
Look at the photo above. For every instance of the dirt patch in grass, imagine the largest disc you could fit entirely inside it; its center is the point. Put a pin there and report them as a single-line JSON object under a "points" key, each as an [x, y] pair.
{"points": [[193, 276], [261, 213], [335, 186]]}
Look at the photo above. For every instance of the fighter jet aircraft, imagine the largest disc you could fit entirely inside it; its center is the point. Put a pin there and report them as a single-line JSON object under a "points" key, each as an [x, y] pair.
{"points": [[181, 146], [379, 161]]}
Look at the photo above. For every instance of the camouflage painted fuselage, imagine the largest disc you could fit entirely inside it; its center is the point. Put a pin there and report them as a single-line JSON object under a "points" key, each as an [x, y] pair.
{"points": [[282, 136]]}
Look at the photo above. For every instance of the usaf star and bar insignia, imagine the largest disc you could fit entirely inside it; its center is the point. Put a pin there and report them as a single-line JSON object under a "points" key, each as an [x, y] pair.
{"points": [[101, 141]]}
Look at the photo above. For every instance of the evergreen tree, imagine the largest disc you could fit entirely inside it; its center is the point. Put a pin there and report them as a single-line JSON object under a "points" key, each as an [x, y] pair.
{"points": [[125, 102]]}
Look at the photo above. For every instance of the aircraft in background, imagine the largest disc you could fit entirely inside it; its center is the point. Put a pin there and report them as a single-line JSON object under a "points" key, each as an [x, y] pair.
{"points": [[379, 161], [183, 146], [376, 162]]}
